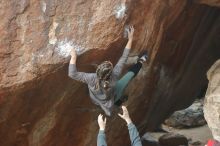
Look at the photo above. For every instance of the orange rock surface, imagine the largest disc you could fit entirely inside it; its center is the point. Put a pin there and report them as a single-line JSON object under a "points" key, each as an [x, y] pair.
{"points": [[41, 106]]}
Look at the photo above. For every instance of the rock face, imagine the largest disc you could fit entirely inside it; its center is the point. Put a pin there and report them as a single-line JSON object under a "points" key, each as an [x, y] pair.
{"points": [[212, 100], [209, 2], [190, 117], [41, 106]]}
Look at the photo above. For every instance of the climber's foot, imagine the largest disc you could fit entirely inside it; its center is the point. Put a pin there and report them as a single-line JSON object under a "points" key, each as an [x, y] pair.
{"points": [[142, 57]]}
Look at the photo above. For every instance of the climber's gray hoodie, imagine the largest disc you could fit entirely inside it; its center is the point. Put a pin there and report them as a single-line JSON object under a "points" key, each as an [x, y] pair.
{"points": [[98, 95]]}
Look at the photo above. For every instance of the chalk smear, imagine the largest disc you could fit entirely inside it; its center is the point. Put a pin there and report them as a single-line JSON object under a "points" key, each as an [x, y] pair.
{"points": [[64, 48], [52, 33], [43, 6], [120, 11]]}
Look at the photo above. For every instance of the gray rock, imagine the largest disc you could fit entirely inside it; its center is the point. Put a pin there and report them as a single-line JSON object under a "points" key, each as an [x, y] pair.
{"points": [[172, 139], [190, 117], [212, 100], [149, 140]]}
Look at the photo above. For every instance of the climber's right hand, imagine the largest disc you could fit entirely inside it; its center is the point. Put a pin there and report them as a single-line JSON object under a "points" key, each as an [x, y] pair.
{"points": [[73, 53], [130, 32]]}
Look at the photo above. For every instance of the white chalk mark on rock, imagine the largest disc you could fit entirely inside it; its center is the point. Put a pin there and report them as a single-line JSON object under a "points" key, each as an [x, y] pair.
{"points": [[43, 6], [64, 48], [52, 33], [22, 23], [120, 11]]}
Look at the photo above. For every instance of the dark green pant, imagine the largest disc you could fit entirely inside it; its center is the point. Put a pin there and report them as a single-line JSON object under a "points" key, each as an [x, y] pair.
{"points": [[124, 81], [122, 84]]}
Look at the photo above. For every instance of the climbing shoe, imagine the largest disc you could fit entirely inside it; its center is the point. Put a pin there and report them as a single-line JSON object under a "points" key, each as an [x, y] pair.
{"points": [[142, 57]]}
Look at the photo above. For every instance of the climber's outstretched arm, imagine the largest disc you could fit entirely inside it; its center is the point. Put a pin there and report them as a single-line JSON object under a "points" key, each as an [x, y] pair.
{"points": [[134, 135], [88, 78], [130, 32], [101, 139], [119, 66]]}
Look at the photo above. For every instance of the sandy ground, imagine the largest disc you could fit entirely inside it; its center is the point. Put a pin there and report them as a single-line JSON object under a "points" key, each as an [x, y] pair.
{"points": [[201, 134]]}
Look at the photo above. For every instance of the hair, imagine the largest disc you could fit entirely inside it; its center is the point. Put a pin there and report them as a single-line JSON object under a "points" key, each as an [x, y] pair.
{"points": [[104, 70]]}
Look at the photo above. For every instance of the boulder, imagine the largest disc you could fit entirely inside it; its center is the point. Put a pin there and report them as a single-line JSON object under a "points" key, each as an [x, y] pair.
{"points": [[212, 100], [41, 106], [190, 117], [149, 143], [172, 139], [149, 140]]}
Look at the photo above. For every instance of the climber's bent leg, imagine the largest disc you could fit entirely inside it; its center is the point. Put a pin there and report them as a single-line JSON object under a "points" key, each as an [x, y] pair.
{"points": [[135, 68], [124, 81]]}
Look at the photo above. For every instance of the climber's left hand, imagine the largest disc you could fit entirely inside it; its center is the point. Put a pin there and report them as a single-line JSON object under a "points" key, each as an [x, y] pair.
{"points": [[101, 122]]}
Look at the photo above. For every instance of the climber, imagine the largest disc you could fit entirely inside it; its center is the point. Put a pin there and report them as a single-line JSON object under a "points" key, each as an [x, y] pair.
{"points": [[134, 135], [104, 87]]}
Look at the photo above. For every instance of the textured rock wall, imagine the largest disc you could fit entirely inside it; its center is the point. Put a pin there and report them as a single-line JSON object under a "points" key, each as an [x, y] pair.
{"points": [[182, 60], [212, 100], [215, 3], [41, 106]]}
